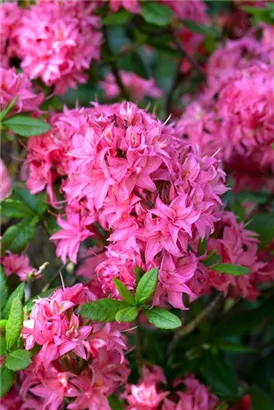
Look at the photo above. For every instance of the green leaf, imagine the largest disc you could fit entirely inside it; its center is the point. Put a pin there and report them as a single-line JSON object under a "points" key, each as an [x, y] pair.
{"points": [[146, 286], [3, 288], [26, 126], [35, 203], [202, 246], [3, 349], [212, 261], [233, 347], [201, 28], [138, 273], [3, 323], [127, 315], [124, 292], [260, 400], [12, 208], [155, 13], [220, 376], [6, 380], [16, 237], [253, 10], [7, 109], [162, 318], [120, 17], [134, 61], [231, 269], [102, 310], [18, 292], [263, 224], [14, 323], [18, 359], [240, 322], [115, 403]]}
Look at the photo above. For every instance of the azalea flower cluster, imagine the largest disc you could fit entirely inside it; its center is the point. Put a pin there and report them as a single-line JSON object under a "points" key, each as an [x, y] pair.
{"points": [[78, 362], [10, 15], [130, 193], [239, 246], [152, 393], [18, 87], [18, 265], [234, 115], [58, 50], [150, 192]]}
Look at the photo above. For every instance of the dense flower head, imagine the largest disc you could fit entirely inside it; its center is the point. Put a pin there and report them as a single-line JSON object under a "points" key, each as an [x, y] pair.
{"points": [[18, 265], [83, 361], [61, 47], [239, 246], [233, 116], [147, 188], [228, 59], [137, 86], [195, 395], [13, 85], [247, 105], [10, 15], [152, 393]]}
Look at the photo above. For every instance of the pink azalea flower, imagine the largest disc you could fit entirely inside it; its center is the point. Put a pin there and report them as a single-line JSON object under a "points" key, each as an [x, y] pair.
{"points": [[17, 264], [70, 237], [195, 396], [137, 86], [11, 401], [10, 15], [58, 50], [122, 169], [49, 327], [238, 246], [18, 85]]}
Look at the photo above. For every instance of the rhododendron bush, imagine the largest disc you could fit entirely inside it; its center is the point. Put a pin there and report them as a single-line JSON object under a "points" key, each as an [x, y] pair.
{"points": [[137, 213]]}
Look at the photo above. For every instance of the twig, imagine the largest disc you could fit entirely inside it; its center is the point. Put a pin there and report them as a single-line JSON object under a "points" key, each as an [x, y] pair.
{"points": [[114, 68], [189, 58], [183, 331], [138, 348], [59, 270], [176, 80]]}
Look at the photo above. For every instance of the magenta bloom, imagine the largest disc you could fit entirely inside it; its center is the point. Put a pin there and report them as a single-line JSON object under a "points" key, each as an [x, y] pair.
{"points": [[189, 393], [137, 86], [76, 360], [10, 15], [238, 246], [17, 264], [61, 47], [18, 85], [195, 395], [123, 169]]}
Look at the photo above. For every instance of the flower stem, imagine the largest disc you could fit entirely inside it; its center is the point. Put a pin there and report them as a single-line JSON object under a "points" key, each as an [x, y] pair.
{"points": [[114, 68], [183, 331]]}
